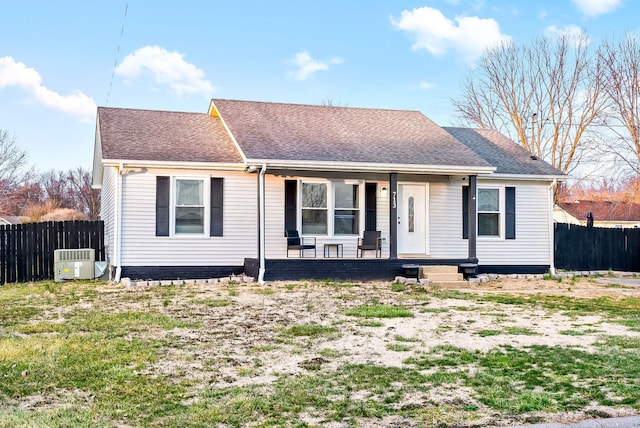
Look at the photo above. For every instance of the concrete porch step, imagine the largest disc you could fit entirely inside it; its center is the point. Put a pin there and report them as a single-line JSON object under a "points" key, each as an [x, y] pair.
{"points": [[442, 276], [437, 269], [451, 284]]}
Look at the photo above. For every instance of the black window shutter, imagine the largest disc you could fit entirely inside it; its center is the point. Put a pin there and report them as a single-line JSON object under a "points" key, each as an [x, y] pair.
{"points": [[216, 218], [162, 206], [510, 208], [465, 212], [370, 206], [290, 205]]}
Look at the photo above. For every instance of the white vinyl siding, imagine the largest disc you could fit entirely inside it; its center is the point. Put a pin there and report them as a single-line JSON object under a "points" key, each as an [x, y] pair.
{"points": [[140, 246], [276, 243], [445, 221], [107, 209], [531, 246]]}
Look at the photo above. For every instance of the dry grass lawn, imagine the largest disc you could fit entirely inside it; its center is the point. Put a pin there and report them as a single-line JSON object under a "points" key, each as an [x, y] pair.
{"points": [[319, 353]]}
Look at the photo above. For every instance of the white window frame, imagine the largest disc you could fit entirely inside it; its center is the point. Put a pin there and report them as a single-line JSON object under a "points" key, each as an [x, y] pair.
{"points": [[501, 213], [205, 200], [331, 208]]}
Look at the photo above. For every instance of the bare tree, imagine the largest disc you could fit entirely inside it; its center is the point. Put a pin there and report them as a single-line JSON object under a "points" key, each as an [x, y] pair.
{"points": [[544, 95], [56, 187], [329, 102], [622, 70], [87, 199], [14, 171]]}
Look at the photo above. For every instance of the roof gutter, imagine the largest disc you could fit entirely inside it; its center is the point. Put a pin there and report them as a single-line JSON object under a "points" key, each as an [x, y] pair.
{"points": [[173, 165], [525, 177], [374, 167]]}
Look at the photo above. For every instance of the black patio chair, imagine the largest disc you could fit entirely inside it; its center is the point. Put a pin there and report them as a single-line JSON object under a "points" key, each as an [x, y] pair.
{"points": [[297, 243], [371, 241]]}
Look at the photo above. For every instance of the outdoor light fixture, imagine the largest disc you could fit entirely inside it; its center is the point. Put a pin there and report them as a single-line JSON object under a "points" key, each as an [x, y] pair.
{"points": [[250, 168], [383, 191]]}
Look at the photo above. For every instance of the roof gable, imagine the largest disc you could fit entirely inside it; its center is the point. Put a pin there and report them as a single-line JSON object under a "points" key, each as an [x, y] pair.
{"points": [[295, 132], [164, 136]]}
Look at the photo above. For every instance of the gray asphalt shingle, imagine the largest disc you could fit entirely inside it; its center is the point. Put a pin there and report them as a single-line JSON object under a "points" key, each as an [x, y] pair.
{"points": [[295, 132], [165, 136], [267, 131], [501, 152]]}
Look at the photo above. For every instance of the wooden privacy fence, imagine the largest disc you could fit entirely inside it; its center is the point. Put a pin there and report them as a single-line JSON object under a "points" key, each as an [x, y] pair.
{"points": [[26, 250], [596, 248]]}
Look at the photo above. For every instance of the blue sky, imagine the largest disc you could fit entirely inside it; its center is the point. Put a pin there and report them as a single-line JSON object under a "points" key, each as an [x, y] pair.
{"points": [[60, 59]]}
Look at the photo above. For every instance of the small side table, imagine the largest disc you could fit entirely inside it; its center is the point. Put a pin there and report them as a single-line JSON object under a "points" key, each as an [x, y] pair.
{"points": [[338, 247]]}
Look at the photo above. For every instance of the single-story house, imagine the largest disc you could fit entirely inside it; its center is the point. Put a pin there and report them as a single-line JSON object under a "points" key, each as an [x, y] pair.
{"points": [[600, 213], [239, 188]]}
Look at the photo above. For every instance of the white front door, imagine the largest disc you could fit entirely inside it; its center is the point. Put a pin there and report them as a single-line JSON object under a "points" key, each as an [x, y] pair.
{"points": [[412, 219]]}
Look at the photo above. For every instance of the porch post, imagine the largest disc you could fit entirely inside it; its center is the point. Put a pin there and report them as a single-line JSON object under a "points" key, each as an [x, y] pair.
{"points": [[393, 216], [473, 217]]}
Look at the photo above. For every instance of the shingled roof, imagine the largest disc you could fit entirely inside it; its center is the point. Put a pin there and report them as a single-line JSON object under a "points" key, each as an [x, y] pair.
{"points": [[299, 135], [325, 134], [164, 136], [603, 210], [501, 152]]}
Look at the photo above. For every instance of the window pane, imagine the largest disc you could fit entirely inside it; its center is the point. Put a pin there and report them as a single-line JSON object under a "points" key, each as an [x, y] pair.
{"points": [[314, 222], [189, 220], [488, 200], [346, 222], [314, 195], [346, 195], [189, 192], [488, 224], [411, 212]]}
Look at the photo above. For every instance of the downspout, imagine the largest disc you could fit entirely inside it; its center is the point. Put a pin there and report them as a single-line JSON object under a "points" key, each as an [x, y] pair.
{"points": [[261, 234], [118, 223], [552, 268]]}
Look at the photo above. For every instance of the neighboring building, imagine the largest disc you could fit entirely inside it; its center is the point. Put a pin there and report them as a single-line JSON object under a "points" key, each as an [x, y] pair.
{"points": [[12, 219], [190, 195], [604, 213]]}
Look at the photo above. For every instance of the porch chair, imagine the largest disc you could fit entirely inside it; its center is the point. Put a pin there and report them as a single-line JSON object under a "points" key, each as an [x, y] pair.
{"points": [[371, 241], [295, 242]]}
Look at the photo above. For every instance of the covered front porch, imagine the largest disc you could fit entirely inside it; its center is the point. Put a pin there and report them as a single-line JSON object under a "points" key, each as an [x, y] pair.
{"points": [[417, 218], [366, 269]]}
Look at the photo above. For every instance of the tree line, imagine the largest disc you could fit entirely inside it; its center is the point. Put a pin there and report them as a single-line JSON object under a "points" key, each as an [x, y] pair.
{"points": [[568, 100], [43, 196]]}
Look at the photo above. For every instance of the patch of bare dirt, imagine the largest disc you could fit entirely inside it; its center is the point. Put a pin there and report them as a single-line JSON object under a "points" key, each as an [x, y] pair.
{"points": [[243, 343]]}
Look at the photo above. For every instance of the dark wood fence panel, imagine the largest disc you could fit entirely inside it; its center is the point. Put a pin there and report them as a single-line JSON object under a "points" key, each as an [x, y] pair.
{"points": [[596, 248], [26, 250]]}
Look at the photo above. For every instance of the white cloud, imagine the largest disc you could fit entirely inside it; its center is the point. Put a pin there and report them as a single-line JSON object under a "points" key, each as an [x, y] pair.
{"points": [[468, 36], [17, 74], [573, 33], [597, 7], [307, 65], [425, 86], [166, 69]]}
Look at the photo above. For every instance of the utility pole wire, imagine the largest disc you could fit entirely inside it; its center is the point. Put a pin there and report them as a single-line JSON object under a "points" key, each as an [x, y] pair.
{"points": [[115, 62]]}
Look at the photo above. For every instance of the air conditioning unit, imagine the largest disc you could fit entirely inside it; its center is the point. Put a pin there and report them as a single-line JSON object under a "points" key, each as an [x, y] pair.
{"points": [[74, 264]]}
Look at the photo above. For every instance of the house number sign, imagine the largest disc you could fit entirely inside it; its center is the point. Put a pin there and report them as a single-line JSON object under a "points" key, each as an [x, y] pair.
{"points": [[394, 199]]}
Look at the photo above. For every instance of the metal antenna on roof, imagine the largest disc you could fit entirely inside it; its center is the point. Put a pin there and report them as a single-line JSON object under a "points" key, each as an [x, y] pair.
{"points": [[115, 62]]}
